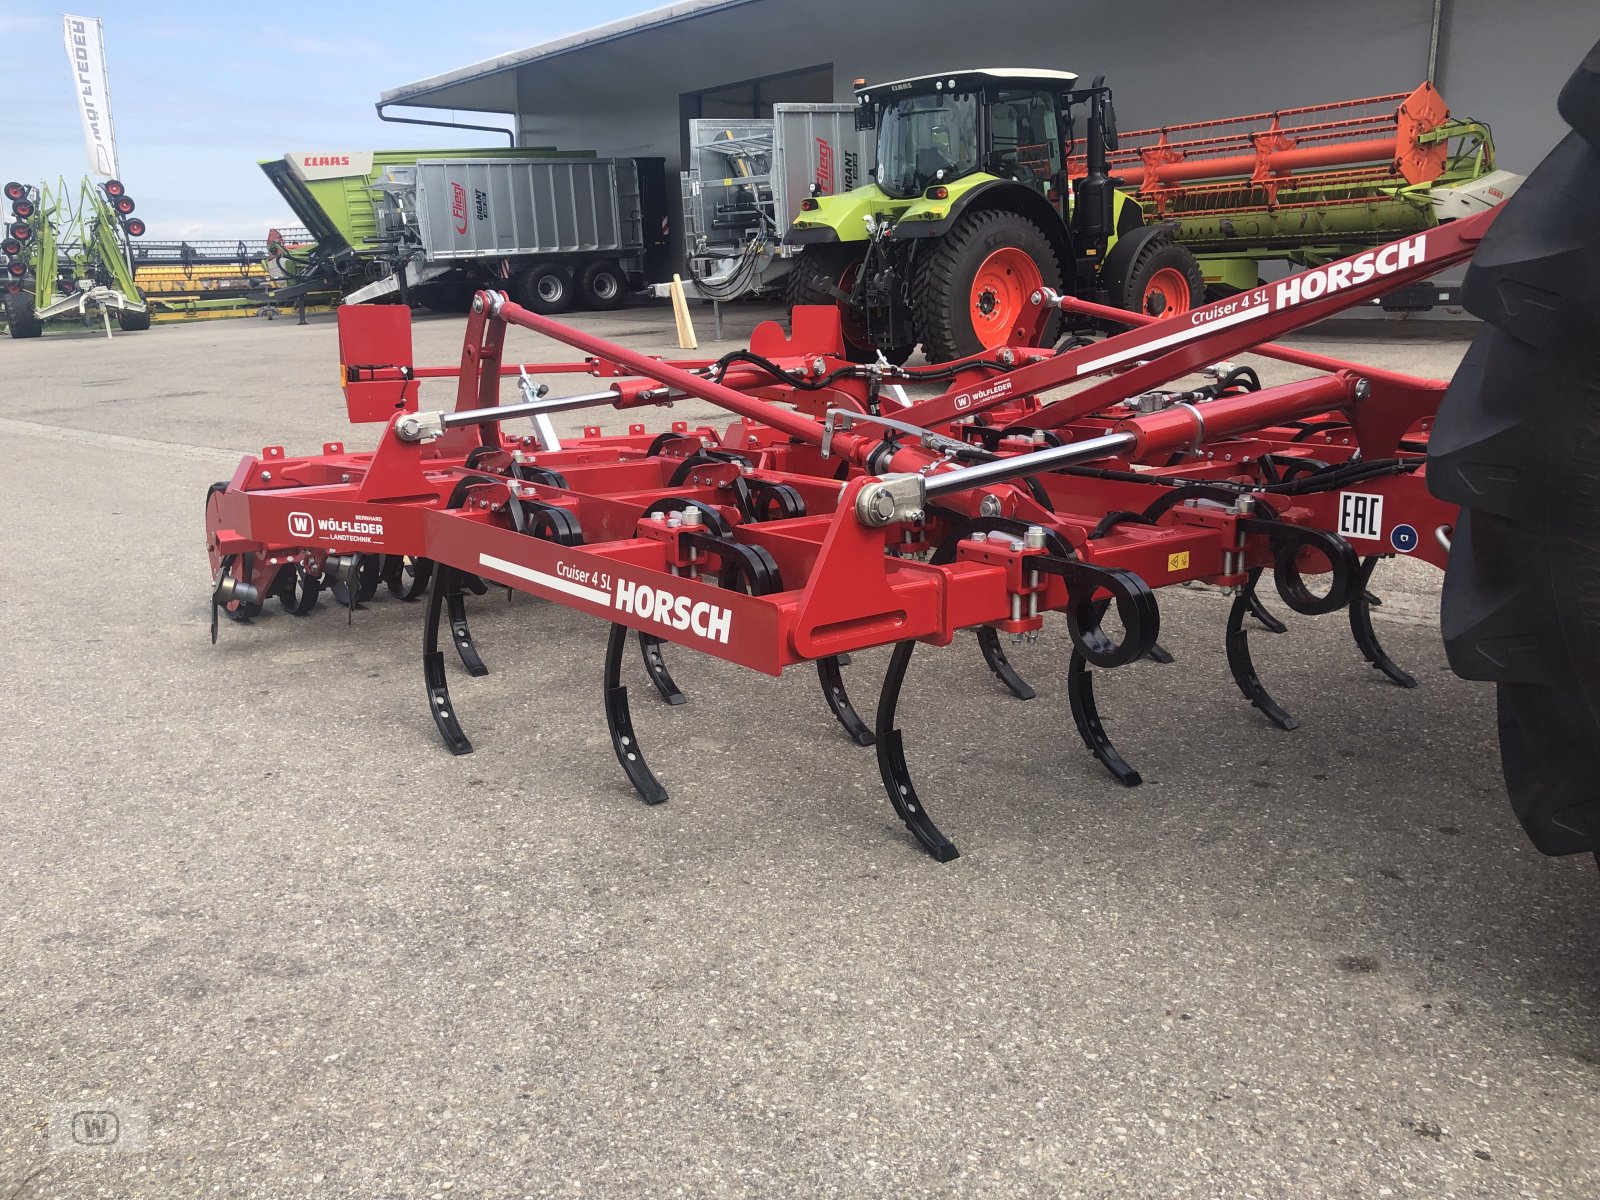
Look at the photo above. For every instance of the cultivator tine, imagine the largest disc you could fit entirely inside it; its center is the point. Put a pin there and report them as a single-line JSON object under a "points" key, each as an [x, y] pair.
{"points": [[892, 762], [655, 665], [839, 700], [460, 632], [995, 656], [1243, 667], [1366, 637], [619, 722], [1086, 715], [1260, 611], [438, 689], [407, 577]]}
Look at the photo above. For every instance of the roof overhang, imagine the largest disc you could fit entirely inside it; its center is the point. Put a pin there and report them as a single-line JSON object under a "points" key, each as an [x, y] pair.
{"points": [[966, 80], [490, 86]]}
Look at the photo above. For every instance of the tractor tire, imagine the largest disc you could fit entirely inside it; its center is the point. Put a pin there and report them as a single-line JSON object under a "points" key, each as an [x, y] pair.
{"points": [[817, 270], [602, 285], [1165, 280], [20, 319], [545, 288], [973, 286], [1517, 446], [133, 322]]}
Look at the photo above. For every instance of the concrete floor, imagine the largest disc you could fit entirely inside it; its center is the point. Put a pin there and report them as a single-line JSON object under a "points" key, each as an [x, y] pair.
{"points": [[245, 886]]}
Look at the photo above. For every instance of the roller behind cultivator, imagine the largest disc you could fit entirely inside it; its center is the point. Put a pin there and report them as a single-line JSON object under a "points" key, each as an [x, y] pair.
{"points": [[851, 506]]}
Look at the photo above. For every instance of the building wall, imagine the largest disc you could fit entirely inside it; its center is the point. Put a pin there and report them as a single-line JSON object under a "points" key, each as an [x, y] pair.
{"points": [[1168, 60]]}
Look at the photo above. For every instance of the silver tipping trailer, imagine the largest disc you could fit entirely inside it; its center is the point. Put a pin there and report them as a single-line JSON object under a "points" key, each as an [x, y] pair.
{"points": [[743, 187], [472, 208], [555, 232]]}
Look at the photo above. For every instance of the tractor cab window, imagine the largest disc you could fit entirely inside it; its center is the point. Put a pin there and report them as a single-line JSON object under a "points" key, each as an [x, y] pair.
{"points": [[1023, 141], [919, 136]]}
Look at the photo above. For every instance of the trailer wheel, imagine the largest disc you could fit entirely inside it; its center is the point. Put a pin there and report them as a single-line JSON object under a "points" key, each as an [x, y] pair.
{"points": [[1165, 280], [1517, 445], [20, 319], [602, 285], [545, 288], [972, 288], [133, 322], [817, 272]]}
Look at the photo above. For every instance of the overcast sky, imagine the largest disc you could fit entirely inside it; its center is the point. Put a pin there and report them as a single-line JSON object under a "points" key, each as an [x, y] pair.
{"points": [[201, 90]]}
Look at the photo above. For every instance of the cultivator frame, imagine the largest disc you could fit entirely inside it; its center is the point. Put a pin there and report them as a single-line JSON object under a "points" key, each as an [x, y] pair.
{"points": [[836, 513]]}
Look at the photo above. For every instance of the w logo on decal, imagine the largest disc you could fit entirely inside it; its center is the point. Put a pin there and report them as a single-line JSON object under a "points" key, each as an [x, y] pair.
{"points": [[301, 525]]}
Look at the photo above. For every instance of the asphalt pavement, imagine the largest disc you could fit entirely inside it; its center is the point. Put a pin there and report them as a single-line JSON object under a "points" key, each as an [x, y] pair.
{"points": [[260, 928]]}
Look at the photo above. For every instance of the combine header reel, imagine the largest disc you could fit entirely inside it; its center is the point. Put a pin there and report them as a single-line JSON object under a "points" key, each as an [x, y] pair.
{"points": [[848, 506]]}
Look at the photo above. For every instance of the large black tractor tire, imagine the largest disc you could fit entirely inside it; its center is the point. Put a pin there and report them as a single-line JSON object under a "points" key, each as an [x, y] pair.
{"points": [[1165, 280], [545, 288], [133, 322], [20, 319], [602, 285], [973, 285], [817, 273], [1517, 445]]}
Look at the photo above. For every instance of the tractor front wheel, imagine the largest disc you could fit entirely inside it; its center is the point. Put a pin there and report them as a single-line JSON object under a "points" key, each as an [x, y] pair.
{"points": [[1165, 280], [819, 272], [973, 288]]}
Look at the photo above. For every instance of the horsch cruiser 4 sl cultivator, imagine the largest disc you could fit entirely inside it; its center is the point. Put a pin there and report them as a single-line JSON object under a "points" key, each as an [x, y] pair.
{"points": [[836, 512]]}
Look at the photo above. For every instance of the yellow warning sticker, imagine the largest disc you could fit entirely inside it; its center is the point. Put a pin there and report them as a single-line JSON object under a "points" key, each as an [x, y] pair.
{"points": [[1178, 562]]}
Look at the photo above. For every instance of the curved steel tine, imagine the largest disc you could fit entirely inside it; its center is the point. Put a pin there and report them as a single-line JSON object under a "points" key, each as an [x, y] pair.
{"points": [[892, 762], [1259, 610], [1160, 654], [839, 701], [460, 631], [619, 722], [1367, 637], [655, 666], [1244, 670], [1086, 715], [995, 655], [433, 676]]}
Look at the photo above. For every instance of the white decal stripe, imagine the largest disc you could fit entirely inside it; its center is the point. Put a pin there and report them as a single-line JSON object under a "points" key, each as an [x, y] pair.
{"points": [[550, 581], [1172, 339]]}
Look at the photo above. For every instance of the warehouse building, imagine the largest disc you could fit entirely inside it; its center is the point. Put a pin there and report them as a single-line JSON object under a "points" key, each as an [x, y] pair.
{"points": [[629, 88]]}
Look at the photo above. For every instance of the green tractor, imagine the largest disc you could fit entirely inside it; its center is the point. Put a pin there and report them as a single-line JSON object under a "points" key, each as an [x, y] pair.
{"points": [[971, 211]]}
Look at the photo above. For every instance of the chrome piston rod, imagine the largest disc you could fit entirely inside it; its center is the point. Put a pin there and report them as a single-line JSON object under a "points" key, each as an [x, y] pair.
{"points": [[1019, 465], [530, 408]]}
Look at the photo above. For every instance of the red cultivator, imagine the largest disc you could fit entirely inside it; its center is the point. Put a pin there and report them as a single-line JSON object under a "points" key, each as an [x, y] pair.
{"points": [[837, 513]]}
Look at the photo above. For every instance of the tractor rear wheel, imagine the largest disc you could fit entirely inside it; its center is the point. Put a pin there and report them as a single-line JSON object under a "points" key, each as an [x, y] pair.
{"points": [[1517, 445], [1165, 280], [972, 290], [817, 273], [20, 319]]}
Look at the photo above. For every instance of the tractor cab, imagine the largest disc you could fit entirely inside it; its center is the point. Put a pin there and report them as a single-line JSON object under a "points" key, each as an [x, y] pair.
{"points": [[938, 129]]}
